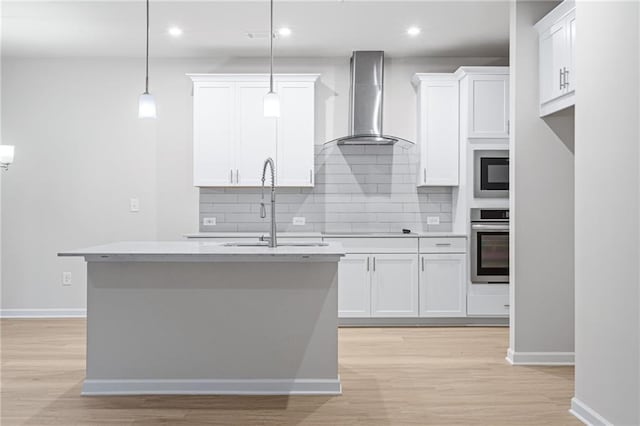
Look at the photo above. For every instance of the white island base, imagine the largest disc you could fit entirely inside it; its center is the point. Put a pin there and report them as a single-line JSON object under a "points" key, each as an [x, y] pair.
{"points": [[208, 319]]}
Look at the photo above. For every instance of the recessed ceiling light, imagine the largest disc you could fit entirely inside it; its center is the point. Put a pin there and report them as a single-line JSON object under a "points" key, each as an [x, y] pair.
{"points": [[413, 31], [175, 31], [284, 31]]}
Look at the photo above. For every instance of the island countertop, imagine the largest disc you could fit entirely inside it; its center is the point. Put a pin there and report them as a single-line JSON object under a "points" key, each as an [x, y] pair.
{"points": [[204, 251]]}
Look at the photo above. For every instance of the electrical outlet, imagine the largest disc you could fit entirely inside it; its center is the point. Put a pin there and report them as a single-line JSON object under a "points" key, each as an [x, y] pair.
{"points": [[299, 221], [66, 278], [134, 205], [433, 220], [209, 221]]}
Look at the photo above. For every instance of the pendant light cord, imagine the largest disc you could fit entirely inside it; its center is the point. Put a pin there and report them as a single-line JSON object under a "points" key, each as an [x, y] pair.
{"points": [[146, 81], [270, 49]]}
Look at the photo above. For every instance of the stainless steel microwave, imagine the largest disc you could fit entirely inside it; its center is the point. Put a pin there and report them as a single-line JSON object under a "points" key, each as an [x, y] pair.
{"points": [[491, 174]]}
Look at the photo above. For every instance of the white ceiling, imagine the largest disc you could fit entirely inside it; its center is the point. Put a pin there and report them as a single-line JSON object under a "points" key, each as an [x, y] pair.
{"points": [[219, 28]]}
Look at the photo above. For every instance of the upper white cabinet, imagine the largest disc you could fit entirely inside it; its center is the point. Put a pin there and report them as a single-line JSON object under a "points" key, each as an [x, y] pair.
{"points": [[485, 102], [232, 138], [438, 124], [557, 34]]}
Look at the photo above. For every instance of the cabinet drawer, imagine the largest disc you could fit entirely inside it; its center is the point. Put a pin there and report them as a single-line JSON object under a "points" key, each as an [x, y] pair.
{"points": [[443, 245], [377, 244], [495, 305]]}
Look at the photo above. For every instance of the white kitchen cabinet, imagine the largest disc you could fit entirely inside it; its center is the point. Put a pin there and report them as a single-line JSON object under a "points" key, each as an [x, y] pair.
{"points": [[438, 129], [557, 32], [354, 286], [232, 138], [443, 285], [394, 285], [256, 134], [488, 102], [213, 153], [378, 285], [295, 157]]}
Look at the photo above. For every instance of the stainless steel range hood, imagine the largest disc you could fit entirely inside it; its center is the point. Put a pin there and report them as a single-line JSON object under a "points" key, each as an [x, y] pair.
{"points": [[366, 101]]}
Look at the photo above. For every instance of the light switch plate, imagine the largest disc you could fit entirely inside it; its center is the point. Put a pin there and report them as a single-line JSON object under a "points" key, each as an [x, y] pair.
{"points": [[209, 221], [433, 220], [299, 221], [66, 278], [134, 205]]}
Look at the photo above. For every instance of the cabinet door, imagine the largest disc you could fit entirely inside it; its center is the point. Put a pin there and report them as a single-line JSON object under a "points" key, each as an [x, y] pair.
{"points": [[354, 286], [489, 106], [256, 139], [552, 51], [442, 285], [213, 134], [438, 132], [570, 77], [394, 285], [296, 132]]}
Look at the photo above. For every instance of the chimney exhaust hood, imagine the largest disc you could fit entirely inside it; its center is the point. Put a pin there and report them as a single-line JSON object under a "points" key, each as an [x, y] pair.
{"points": [[366, 101]]}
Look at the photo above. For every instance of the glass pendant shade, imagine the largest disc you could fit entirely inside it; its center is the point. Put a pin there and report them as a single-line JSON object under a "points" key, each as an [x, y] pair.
{"points": [[271, 105], [6, 154], [146, 106]]}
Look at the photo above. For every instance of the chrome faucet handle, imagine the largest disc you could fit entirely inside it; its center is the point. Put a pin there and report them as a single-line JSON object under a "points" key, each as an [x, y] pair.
{"points": [[263, 211]]}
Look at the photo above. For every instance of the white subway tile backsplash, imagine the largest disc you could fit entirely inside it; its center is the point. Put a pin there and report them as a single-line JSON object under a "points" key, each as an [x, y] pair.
{"points": [[357, 189]]}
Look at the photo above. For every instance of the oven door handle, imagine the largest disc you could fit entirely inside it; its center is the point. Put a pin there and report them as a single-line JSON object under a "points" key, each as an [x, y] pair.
{"points": [[490, 227]]}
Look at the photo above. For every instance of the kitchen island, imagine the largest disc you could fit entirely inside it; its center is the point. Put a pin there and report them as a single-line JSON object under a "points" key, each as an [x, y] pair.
{"points": [[192, 317]]}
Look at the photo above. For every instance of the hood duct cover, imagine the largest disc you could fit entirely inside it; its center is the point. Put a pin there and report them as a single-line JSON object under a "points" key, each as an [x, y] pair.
{"points": [[366, 101]]}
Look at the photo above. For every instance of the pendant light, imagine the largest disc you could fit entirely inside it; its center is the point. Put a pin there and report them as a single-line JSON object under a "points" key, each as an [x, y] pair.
{"points": [[271, 99], [147, 103]]}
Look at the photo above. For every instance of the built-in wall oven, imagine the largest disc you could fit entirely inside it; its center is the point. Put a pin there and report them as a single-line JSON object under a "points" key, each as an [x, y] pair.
{"points": [[491, 174], [490, 246]]}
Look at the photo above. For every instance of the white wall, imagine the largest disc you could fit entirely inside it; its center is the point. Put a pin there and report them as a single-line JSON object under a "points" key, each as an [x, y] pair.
{"points": [[542, 208], [81, 153], [608, 213]]}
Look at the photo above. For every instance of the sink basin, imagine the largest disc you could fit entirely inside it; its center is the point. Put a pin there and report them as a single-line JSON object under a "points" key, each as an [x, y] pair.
{"points": [[266, 244]]}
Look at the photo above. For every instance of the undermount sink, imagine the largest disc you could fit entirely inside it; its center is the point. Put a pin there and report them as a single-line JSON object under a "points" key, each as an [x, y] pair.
{"points": [[266, 244]]}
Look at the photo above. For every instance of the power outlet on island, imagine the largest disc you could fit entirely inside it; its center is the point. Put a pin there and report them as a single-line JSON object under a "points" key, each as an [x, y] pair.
{"points": [[433, 220], [300, 221], [209, 221]]}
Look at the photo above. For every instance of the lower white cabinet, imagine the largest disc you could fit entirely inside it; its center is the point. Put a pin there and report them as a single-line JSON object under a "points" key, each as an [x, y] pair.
{"points": [[394, 285], [442, 285], [378, 285], [354, 286]]}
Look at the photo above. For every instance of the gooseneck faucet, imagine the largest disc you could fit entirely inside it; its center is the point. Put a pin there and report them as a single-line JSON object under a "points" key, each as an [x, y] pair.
{"points": [[263, 212]]}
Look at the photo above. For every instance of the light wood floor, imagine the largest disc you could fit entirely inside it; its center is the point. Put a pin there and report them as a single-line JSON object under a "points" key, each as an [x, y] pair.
{"points": [[403, 376]]}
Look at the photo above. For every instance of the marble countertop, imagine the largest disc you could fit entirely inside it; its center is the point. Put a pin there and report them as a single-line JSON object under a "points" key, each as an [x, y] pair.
{"points": [[190, 250], [328, 235]]}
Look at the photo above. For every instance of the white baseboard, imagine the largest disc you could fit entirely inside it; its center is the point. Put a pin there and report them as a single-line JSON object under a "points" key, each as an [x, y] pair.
{"points": [[585, 414], [43, 313], [540, 358], [213, 387]]}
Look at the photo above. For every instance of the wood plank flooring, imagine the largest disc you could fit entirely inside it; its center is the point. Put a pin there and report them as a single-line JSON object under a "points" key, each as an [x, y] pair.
{"points": [[390, 376]]}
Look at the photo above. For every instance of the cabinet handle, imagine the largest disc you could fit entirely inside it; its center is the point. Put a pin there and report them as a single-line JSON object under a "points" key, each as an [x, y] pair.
{"points": [[566, 77], [374, 263], [561, 78], [424, 175], [507, 305], [231, 176], [422, 263], [310, 176], [367, 263], [443, 244], [237, 176], [508, 127]]}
